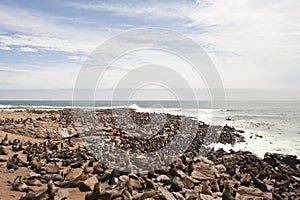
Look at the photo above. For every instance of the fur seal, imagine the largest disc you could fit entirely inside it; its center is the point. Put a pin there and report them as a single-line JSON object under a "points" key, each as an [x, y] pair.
{"points": [[246, 180], [20, 186], [206, 188], [259, 183], [215, 186], [228, 192]]}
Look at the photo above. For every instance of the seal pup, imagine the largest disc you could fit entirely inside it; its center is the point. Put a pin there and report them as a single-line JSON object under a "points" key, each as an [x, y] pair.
{"points": [[51, 189], [259, 183], [215, 186], [228, 192], [245, 180], [95, 194], [33, 195], [4, 141], [206, 188], [20, 186], [149, 194]]}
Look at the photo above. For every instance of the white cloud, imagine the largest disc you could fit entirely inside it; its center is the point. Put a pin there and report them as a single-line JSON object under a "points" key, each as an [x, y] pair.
{"points": [[151, 10], [55, 76], [77, 58], [6, 48], [42, 31], [28, 49], [254, 44]]}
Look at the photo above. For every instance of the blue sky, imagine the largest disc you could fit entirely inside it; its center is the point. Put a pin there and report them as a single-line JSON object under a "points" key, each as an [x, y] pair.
{"points": [[253, 43]]}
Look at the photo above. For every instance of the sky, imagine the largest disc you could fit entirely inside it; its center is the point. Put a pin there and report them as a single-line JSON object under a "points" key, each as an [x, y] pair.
{"points": [[252, 43]]}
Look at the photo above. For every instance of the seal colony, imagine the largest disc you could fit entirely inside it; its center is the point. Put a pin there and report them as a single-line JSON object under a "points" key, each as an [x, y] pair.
{"points": [[42, 157]]}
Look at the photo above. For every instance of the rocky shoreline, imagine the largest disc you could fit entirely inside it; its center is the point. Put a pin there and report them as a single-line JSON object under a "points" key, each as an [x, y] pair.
{"points": [[43, 157]]}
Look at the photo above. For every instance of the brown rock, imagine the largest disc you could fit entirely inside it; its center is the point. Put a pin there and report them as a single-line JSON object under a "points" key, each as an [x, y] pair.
{"points": [[199, 176], [188, 182], [73, 174], [165, 193], [191, 195], [52, 169], [252, 193], [61, 195], [178, 196], [88, 184]]}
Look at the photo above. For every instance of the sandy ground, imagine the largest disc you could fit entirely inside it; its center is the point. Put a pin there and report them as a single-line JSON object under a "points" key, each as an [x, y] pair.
{"points": [[6, 192]]}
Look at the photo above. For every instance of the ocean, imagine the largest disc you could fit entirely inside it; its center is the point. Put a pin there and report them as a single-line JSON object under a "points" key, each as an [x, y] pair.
{"points": [[270, 126]]}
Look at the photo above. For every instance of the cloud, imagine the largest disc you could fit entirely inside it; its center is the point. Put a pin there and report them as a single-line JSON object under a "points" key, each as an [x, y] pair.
{"points": [[31, 28], [150, 10], [6, 48], [27, 49], [254, 44], [76, 58], [55, 76], [30, 43]]}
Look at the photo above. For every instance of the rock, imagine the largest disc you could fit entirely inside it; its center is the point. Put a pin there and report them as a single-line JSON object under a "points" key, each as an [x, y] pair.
{"points": [[205, 197], [189, 182], [199, 176], [165, 193], [61, 195], [73, 174], [178, 196], [191, 195], [88, 184], [52, 169], [252, 193]]}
